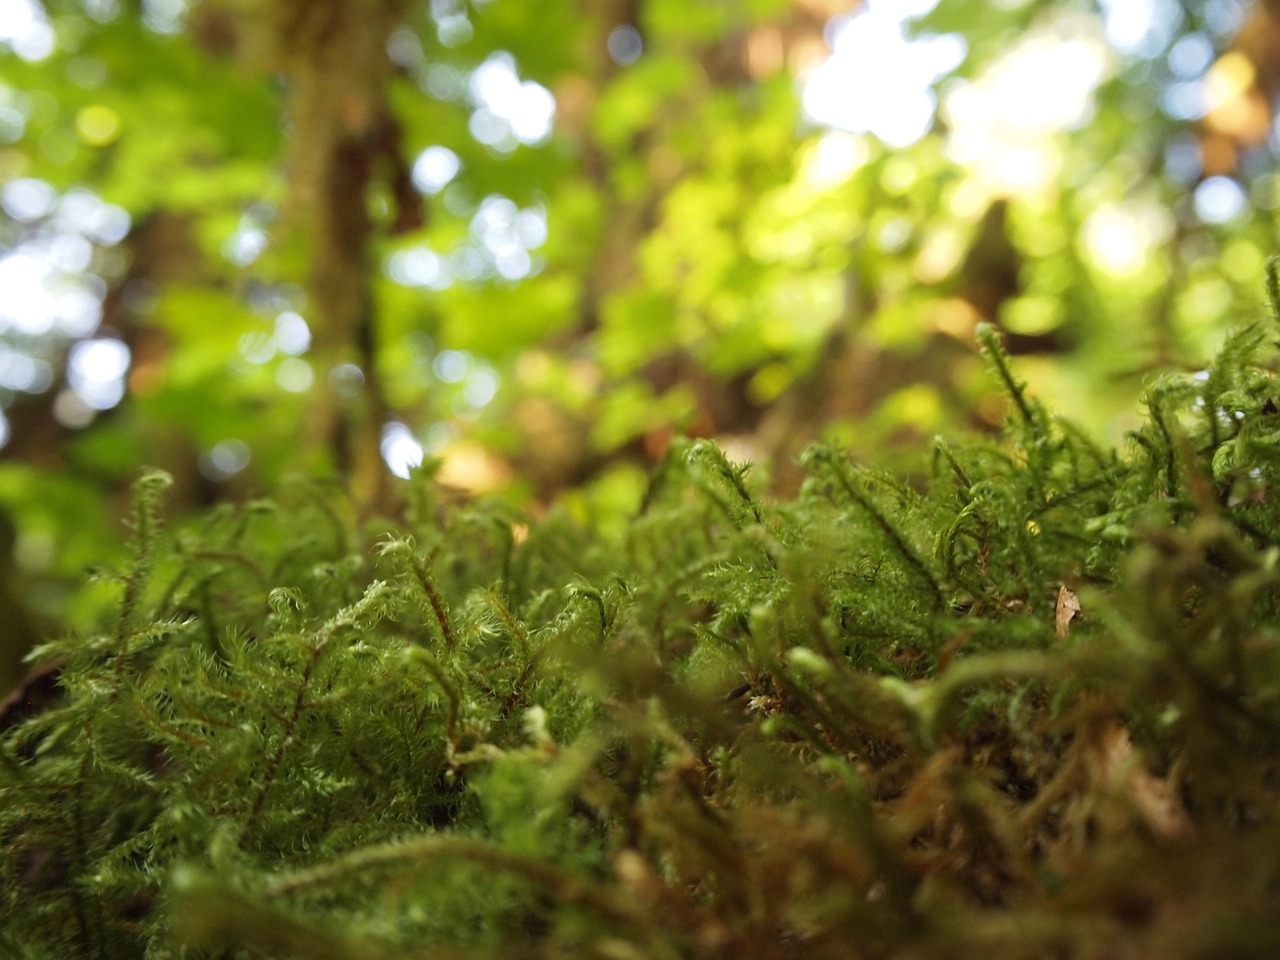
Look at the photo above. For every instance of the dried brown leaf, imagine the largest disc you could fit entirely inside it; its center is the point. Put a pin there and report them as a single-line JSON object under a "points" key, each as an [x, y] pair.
{"points": [[1064, 611]]}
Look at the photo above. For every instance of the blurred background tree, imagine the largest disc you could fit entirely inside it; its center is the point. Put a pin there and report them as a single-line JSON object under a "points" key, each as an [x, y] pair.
{"points": [[529, 241]]}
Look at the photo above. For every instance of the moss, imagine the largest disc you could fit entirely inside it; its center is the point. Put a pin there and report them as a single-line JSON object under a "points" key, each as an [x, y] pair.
{"points": [[1029, 711]]}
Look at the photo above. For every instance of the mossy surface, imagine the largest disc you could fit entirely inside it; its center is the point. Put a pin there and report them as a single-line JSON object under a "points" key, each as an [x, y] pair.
{"points": [[1030, 711]]}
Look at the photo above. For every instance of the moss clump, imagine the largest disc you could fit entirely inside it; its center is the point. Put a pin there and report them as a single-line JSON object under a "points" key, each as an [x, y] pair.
{"points": [[1030, 712]]}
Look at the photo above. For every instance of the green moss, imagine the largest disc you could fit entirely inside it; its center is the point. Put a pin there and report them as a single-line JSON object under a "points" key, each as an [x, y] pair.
{"points": [[1032, 710]]}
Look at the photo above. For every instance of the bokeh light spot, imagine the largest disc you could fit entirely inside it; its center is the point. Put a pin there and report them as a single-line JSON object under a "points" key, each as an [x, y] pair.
{"points": [[257, 346], [97, 125], [346, 380], [27, 199], [225, 459], [26, 30], [877, 80], [625, 45], [292, 335], [22, 372], [418, 267], [1119, 239], [400, 449], [1219, 200], [837, 156], [1191, 55], [434, 168], [164, 16], [508, 108], [70, 410], [481, 386], [451, 366], [295, 375], [96, 370]]}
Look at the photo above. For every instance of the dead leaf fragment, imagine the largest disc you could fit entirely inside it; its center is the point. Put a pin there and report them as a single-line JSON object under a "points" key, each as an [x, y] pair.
{"points": [[1067, 607], [1154, 798]]}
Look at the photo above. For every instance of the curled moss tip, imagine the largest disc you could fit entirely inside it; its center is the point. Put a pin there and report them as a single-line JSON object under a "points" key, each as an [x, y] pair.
{"points": [[156, 480], [988, 338]]}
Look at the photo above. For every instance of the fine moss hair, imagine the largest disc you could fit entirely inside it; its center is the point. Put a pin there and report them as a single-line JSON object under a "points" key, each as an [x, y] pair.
{"points": [[1030, 709]]}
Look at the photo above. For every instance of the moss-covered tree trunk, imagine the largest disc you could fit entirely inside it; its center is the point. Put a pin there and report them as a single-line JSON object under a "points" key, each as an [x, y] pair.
{"points": [[344, 139]]}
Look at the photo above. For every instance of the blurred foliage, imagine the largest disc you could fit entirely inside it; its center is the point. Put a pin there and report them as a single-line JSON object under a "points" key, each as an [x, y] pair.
{"points": [[542, 310]]}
